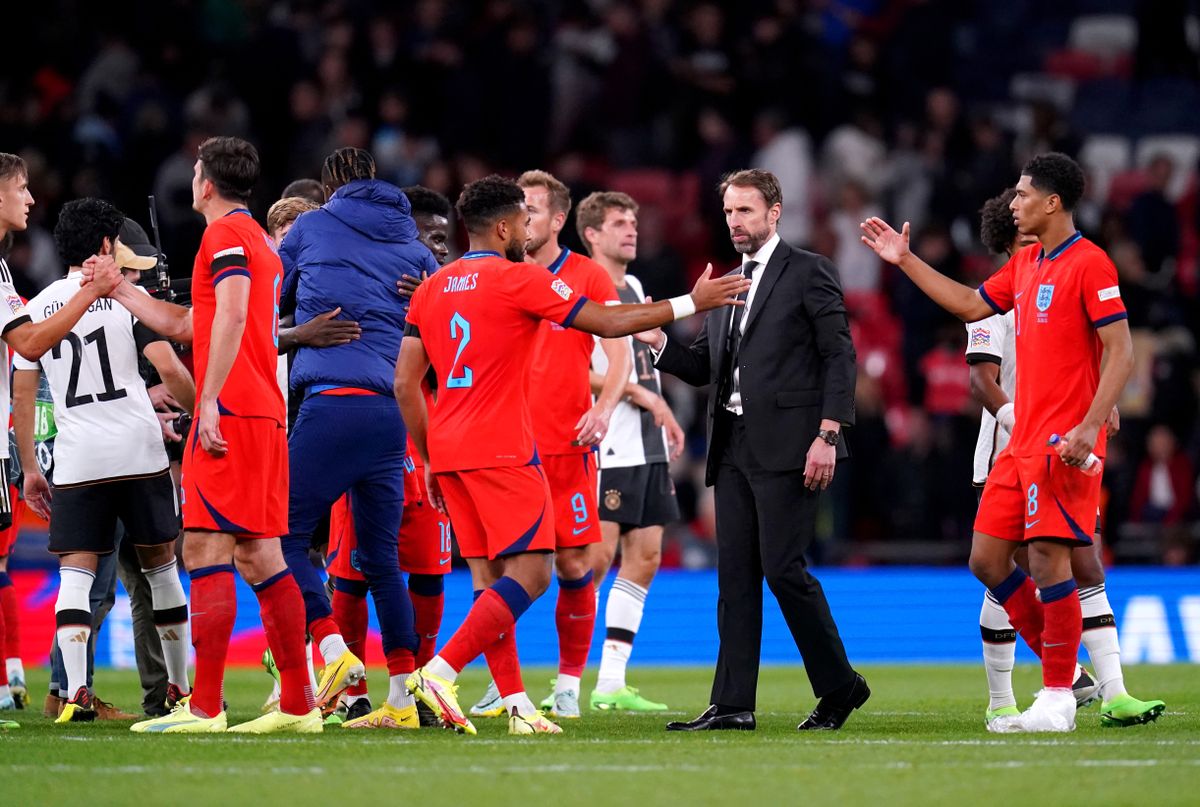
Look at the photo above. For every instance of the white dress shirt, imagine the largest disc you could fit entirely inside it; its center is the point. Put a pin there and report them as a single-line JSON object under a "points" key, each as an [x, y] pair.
{"points": [[762, 257]]}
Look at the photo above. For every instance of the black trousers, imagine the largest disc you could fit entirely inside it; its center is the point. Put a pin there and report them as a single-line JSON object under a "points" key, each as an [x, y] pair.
{"points": [[765, 522]]}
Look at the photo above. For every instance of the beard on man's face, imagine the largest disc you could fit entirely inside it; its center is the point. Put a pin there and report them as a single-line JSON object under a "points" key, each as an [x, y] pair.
{"points": [[515, 251]]}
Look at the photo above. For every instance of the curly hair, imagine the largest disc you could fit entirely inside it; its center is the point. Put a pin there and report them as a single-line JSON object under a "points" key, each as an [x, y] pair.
{"points": [[426, 202], [484, 201], [346, 165], [997, 230], [1056, 173], [82, 226]]}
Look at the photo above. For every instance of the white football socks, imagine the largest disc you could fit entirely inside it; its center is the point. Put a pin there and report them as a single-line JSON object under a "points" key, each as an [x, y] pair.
{"points": [[171, 621], [1100, 639], [999, 652], [622, 618], [398, 695], [71, 610], [332, 647]]}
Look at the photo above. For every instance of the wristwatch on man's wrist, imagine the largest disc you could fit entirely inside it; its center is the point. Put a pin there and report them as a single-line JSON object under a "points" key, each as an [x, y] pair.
{"points": [[830, 436]]}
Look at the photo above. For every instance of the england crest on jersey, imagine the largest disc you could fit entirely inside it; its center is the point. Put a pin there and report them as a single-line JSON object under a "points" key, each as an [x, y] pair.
{"points": [[1044, 296]]}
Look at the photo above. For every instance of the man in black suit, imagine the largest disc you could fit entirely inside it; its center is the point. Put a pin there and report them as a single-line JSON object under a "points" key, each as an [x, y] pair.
{"points": [[782, 370]]}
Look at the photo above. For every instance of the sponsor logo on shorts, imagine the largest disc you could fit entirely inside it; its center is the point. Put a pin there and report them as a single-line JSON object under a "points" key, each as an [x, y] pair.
{"points": [[579, 530], [612, 499]]}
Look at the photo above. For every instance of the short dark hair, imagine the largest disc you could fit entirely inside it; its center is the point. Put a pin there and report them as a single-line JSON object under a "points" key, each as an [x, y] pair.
{"points": [[764, 182], [1056, 173], [346, 165], [427, 202], [310, 189], [82, 226], [484, 201], [997, 230], [12, 165], [231, 165]]}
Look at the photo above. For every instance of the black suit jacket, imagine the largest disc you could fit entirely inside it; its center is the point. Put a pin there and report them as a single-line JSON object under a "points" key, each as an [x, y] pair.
{"points": [[797, 362]]}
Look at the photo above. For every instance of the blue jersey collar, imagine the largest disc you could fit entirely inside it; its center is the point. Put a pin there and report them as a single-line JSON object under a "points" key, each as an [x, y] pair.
{"points": [[476, 254], [1060, 249], [559, 261]]}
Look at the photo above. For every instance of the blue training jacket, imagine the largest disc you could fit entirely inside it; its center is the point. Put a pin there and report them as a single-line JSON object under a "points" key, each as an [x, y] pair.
{"points": [[350, 253]]}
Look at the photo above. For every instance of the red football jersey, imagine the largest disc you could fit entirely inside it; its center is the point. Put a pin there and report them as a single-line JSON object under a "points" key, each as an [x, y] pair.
{"points": [[1060, 300], [236, 246], [478, 318], [559, 387]]}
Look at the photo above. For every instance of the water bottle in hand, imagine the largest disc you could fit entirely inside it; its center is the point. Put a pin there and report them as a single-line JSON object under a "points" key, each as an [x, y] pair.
{"points": [[1092, 466]]}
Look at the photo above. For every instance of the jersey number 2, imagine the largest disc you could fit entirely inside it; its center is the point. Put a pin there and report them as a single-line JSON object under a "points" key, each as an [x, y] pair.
{"points": [[460, 329], [96, 337]]}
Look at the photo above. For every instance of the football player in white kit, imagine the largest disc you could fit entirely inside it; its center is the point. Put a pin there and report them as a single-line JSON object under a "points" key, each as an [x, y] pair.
{"points": [[110, 463], [637, 496]]}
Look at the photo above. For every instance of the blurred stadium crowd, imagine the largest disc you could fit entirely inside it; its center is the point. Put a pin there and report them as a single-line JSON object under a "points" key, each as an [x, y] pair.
{"points": [[914, 110]]}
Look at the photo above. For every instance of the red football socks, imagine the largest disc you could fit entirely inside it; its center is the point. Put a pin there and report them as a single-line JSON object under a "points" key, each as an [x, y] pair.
{"points": [[3, 651], [1025, 613], [427, 620], [214, 607], [575, 616], [504, 665], [489, 619], [10, 634], [350, 613], [400, 661], [1061, 635], [282, 608]]}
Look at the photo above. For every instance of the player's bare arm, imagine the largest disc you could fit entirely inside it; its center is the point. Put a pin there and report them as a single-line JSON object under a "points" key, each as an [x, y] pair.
{"points": [[609, 321], [229, 323], [175, 377], [594, 423], [962, 301], [323, 330], [33, 339], [24, 395], [170, 320], [1115, 368], [987, 392], [411, 366]]}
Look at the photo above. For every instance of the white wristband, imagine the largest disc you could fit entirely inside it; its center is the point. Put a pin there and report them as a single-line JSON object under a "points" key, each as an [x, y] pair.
{"points": [[1006, 417], [683, 306]]}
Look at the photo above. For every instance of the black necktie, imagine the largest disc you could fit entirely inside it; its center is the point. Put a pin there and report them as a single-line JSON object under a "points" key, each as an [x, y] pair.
{"points": [[735, 331]]}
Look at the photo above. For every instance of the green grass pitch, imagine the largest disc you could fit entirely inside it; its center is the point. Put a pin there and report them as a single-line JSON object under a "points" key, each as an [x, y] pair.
{"points": [[920, 740]]}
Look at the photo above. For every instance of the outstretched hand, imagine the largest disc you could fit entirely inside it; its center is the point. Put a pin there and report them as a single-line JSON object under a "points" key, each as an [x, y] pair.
{"points": [[710, 292], [888, 244]]}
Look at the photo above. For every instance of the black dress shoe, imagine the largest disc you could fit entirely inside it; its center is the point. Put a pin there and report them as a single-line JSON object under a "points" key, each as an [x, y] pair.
{"points": [[712, 721], [832, 710]]}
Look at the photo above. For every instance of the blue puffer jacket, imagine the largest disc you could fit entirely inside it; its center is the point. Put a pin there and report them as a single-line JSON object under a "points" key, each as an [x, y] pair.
{"points": [[350, 253]]}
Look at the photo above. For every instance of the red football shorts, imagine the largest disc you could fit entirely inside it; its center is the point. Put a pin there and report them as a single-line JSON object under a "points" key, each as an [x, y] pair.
{"points": [[424, 537], [8, 537], [1038, 497], [246, 491], [573, 489], [499, 511]]}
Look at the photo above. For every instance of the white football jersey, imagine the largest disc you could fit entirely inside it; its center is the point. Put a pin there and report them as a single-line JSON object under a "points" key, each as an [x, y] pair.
{"points": [[12, 314], [992, 340], [632, 437], [107, 428]]}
